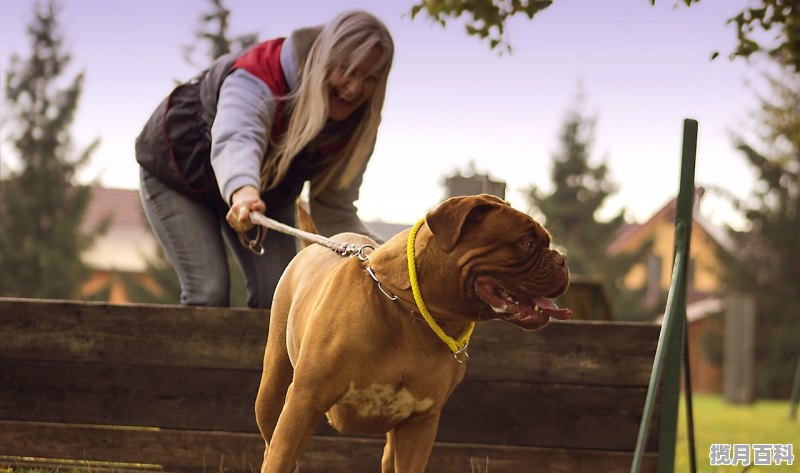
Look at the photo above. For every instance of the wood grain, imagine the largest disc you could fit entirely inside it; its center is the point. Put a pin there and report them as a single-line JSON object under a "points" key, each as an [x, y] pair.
{"points": [[175, 450]]}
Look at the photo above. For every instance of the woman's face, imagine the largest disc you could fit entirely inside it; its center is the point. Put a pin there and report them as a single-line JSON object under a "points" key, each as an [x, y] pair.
{"points": [[348, 92]]}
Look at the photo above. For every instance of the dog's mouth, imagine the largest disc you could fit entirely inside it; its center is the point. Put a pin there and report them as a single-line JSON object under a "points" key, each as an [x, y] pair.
{"points": [[528, 313]]}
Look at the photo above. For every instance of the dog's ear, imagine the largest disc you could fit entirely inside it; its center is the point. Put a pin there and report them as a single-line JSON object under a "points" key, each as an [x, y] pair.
{"points": [[446, 221]]}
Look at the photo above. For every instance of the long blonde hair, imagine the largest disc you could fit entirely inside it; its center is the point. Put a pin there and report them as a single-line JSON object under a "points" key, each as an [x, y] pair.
{"points": [[347, 40]]}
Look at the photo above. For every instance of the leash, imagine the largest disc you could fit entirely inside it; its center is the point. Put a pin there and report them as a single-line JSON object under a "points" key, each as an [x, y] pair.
{"points": [[344, 249], [457, 346]]}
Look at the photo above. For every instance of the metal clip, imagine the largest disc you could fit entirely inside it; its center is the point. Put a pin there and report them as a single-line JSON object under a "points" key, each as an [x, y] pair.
{"points": [[255, 245], [360, 253], [459, 352], [387, 294]]}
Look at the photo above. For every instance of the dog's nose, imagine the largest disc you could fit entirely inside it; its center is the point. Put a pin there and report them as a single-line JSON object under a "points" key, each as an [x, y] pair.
{"points": [[561, 260]]}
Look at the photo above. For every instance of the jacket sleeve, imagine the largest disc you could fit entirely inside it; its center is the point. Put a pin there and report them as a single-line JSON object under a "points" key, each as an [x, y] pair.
{"points": [[334, 210], [240, 133]]}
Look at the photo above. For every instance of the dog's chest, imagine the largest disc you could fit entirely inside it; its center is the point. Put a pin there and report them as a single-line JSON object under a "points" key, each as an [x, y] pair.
{"points": [[377, 407]]}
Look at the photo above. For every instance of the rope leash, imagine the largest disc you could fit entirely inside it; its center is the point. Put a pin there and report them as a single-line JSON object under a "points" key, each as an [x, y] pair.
{"points": [[344, 249]]}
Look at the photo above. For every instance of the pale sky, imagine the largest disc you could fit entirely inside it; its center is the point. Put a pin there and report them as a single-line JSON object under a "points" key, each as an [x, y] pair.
{"points": [[451, 100]]}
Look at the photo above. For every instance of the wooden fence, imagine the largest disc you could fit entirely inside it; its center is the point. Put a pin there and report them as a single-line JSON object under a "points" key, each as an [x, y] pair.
{"points": [[149, 387]]}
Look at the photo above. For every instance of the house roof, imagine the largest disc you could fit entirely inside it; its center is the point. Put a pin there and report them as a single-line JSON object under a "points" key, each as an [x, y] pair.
{"points": [[128, 241], [122, 206], [667, 213]]}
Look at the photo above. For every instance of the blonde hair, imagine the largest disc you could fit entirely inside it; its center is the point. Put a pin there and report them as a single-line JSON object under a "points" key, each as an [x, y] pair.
{"points": [[347, 40]]}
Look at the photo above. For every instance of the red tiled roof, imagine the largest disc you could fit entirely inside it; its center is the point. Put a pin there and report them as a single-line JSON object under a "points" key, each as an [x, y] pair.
{"points": [[122, 205]]}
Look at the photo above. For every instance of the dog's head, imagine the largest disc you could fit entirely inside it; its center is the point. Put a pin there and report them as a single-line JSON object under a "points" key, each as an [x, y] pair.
{"points": [[504, 257]]}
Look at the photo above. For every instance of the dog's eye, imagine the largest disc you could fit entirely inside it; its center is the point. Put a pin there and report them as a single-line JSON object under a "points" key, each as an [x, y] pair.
{"points": [[529, 244]]}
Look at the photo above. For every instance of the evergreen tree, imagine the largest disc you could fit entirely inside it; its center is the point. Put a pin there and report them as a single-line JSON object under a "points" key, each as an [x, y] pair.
{"points": [[570, 212], [767, 264], [214, 32], [41, 207]]}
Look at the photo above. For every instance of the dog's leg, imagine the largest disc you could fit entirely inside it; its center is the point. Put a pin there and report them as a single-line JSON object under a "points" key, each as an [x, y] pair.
{"points": [[276, 375], [413, 442], [293, 431], [275, 380], [387, 461]]}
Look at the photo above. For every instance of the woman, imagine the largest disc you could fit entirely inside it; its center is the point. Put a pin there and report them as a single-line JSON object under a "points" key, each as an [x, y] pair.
{"points": [[246, 134]]}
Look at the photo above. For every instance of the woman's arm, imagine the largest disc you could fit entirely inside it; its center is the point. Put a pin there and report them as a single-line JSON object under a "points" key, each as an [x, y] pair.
{"points": [[240, 133]]}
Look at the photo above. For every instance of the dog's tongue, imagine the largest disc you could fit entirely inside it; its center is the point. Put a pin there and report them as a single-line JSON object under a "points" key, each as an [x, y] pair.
{"points": [[550, 309]]}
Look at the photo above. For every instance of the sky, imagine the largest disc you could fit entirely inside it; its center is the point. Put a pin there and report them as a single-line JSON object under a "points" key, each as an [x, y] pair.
{"points": [[452, 103]]}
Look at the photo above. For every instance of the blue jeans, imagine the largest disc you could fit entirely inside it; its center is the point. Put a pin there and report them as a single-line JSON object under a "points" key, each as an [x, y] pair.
{"points": [[193, 236]]}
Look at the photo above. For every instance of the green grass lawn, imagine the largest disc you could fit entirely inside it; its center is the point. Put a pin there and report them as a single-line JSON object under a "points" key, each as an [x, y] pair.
{"points": [[717, 422]]}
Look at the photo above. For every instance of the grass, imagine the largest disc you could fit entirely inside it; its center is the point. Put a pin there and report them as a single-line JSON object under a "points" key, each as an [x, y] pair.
{"points": [[717, 422]]}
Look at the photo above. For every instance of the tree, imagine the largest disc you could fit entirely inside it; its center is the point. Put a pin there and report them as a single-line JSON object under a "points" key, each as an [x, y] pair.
{"points": [[768, 16], [570, 212], [214, 31], [41, 208], [489, 18], [767, 264]]}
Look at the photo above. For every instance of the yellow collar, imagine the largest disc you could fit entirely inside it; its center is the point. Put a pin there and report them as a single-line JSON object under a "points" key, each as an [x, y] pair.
{"points": [[456, 346]]}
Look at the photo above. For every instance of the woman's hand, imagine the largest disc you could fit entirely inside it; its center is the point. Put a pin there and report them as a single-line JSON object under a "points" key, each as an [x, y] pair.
{"points": [[245, 200]]}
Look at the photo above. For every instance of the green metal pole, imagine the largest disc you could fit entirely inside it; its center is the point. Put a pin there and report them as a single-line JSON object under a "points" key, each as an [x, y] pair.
{"points": [[687, 387], [668, 329], [668, 424], [669, 350], [795, 393]]}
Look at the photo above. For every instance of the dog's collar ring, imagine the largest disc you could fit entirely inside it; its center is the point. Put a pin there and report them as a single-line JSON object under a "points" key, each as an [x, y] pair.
{"points": [[460, 351], [350, 250], [361, 252]]}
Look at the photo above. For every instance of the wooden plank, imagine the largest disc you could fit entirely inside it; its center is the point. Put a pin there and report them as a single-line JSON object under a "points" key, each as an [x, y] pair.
{"points": [[580, 352], [551, 415], [546, 415], [216, 451], [158, 448], [184, 398], [137, 334], [464, 458], [574, 352]]}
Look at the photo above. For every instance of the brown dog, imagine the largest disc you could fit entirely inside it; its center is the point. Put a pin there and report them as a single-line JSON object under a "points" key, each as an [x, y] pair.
{"points": [[338, 345]]}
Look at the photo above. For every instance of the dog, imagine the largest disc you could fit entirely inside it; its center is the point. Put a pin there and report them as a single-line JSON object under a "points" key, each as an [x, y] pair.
{"points": [[348, 339]]}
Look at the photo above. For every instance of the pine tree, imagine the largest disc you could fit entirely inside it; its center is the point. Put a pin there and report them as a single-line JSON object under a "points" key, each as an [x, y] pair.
{"points": [[214, 32], [767, 264], [570, 212], [41, 206]]}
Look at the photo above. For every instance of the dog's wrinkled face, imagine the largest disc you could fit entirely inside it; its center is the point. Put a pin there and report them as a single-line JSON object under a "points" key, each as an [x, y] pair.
{"points": [[505, 259]]}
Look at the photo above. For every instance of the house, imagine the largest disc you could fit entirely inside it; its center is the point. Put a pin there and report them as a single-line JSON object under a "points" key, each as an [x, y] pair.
{"points": [[124, 248], [704, 281]]}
